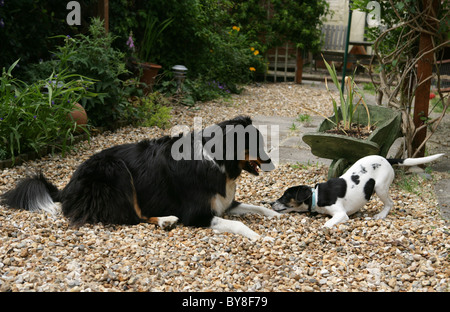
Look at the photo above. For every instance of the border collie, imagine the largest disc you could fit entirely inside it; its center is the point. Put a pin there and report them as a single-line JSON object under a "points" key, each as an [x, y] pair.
{"points": [[343, 196], [189, 178]]}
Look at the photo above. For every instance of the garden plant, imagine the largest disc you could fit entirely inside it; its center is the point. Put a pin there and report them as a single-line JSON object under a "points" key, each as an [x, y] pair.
{"points": [[35, 116]]}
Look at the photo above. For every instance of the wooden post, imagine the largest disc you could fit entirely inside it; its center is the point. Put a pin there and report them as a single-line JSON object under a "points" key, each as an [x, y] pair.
{"points": [[103, 12], [299, 67], [422, 95], [276, 65], [286, 56]]}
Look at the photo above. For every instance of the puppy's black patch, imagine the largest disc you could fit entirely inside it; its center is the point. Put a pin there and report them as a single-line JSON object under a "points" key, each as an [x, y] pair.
{"points": [[375, 166], [355, 178], [368, 189], [330, 191], [363, 169]]}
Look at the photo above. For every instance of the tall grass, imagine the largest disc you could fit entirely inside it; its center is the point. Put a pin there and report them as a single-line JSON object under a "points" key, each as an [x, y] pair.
{"points": [[345, 100]]}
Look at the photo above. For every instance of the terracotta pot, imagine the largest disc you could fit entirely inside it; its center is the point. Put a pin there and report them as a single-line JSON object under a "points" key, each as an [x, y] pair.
{"points": [[149, 72], [78, 114]]}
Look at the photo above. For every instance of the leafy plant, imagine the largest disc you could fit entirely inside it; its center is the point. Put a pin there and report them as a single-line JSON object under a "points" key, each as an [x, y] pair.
{"points": [[346, 100], [33, 116], [233, 57], [279, 21], [93, 56], [152, 34], [155, 111], [192, 91], [303, 118]]}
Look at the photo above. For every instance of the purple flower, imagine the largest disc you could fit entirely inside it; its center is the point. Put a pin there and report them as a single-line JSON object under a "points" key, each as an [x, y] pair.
{"points": [[53, 102], [34, 116], [130, 42], [2, 2]]}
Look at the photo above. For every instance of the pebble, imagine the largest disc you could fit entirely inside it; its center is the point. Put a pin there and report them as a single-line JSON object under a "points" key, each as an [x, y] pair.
{"points": [[407, 251]]}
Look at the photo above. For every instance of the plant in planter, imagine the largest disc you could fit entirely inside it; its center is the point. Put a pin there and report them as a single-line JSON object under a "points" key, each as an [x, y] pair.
{"points": [[36, 116], [347, 107], [344, 149], [92, 55], [152, 34]]}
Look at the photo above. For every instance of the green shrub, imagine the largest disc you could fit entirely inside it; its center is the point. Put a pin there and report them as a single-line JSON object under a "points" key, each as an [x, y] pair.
{"points": [[232, 59], [153, 110], [93, 56], [192, 91], [36, 115]]}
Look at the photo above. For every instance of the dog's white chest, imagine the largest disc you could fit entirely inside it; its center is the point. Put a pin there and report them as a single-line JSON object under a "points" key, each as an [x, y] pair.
{"points": [[219, 203]]}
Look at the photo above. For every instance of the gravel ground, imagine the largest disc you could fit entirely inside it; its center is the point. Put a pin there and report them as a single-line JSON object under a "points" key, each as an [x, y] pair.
{"points": [[408, 251]]}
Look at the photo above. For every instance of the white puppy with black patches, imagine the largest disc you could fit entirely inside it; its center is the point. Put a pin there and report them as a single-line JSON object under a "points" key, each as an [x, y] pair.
{"points": [[343, 196]]}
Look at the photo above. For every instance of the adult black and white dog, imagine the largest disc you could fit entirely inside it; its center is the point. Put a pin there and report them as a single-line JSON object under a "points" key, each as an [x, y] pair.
{"points": [[343, 196], [190, 178]]}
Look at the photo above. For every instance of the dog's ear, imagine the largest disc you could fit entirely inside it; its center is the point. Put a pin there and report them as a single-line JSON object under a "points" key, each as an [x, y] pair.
{"points": [[303, 193], [243, 120]]}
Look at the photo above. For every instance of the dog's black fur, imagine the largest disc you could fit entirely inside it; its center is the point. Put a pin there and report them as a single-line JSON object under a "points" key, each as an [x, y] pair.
{"points": [[131, 183]]}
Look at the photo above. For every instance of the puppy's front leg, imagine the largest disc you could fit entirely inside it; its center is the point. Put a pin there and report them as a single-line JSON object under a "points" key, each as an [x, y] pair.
{"points": [[223, 225], [338, 216], [240, 208]]}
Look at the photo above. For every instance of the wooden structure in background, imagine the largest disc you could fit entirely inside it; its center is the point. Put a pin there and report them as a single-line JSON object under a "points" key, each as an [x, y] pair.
{"points": [[424, 73], [103, 12], [285, 64]]}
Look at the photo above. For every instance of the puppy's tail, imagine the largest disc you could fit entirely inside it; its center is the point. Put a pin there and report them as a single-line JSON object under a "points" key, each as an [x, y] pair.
{"points": [[34, 193], [414, 161]]}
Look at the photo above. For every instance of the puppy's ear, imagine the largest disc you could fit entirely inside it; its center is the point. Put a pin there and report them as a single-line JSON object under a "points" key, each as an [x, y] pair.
{"points": [[303, 194]]}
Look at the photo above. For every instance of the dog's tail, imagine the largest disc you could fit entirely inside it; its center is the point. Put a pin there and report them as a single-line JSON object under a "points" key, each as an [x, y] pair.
{"points": [[34, 193], [414, 161]]}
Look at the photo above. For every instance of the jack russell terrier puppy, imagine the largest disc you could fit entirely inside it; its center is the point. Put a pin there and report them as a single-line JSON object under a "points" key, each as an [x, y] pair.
{"points": [[343, 196]]}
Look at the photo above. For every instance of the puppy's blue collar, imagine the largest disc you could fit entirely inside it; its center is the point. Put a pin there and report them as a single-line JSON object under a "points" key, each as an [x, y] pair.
{"points": [[313, 199]]}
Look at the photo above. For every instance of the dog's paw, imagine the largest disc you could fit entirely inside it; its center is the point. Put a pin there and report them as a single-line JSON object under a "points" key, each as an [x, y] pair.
{"points": [[379, 216], [167, 223], [329, 225], [269, 239], [251, 235], [272, 214]]}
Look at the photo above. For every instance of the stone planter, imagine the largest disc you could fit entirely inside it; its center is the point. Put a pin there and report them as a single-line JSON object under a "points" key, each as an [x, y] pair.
{"points": [[344, 150]]}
